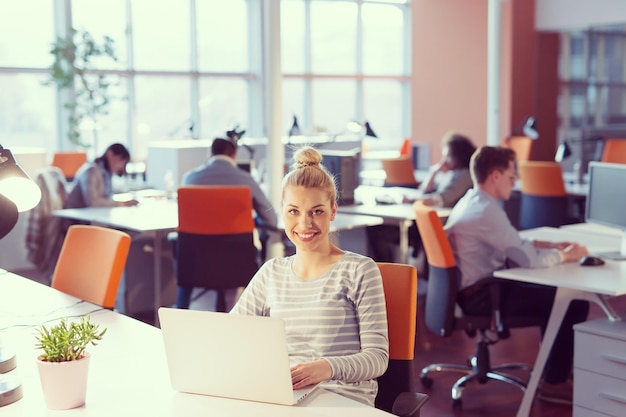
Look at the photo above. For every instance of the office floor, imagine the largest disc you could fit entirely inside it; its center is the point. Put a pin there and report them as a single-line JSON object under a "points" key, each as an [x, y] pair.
{"points": [[495, 399]]}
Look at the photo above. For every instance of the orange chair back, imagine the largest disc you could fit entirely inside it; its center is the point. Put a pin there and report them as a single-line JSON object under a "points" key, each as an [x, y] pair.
{"points": [[522, 145], [542, 178], [215, 210], [91, 263], [399, 172], [614, 151], [406, 149], [400, 285], [69, 162], [436, 244]]}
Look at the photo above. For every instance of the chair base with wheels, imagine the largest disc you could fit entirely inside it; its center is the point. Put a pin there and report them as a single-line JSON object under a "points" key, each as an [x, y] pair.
{"points": [[478, 369]]}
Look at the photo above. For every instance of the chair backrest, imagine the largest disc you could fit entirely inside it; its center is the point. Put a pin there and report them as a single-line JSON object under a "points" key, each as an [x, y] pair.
{"points": [[69, 162], [541, 178], [522, 145], [543, 199], [91, 263], [215, 236], [400, 286], [443, 275], [614, 150], [399, 172], [215, 210]]}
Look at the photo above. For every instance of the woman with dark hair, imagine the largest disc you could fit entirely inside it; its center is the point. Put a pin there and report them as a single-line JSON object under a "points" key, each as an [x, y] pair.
{"points": [[92, 184], [448, 180]]}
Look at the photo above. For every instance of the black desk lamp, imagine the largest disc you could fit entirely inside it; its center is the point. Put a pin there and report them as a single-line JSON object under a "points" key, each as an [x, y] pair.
{"points": [[17, 193], [15, 184]]}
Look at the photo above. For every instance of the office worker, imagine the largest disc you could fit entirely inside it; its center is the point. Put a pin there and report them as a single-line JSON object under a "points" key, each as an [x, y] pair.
{"points": [[331, 300], [221, 169], [483, 241], [445, 184], [92, 183]]}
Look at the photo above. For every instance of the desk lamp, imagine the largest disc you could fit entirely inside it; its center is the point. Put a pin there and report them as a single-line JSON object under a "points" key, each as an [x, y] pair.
{"points": [[15, 184], [17, 193]]}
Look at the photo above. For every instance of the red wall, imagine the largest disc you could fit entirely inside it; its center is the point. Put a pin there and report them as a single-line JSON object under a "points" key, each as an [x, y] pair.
{"points": [[449, 80]]}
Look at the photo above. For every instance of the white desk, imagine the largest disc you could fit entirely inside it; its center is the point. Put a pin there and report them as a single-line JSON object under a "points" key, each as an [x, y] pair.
{"points": [[128, 373], [158, 217], [401, 215], [573, 282]]}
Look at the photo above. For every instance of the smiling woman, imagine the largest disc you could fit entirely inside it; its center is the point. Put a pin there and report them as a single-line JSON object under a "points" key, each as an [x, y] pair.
{"points": [[331, 300]]}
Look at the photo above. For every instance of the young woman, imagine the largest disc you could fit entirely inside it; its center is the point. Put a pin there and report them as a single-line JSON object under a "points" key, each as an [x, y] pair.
{"points": [[332, 301], [92, 183]]}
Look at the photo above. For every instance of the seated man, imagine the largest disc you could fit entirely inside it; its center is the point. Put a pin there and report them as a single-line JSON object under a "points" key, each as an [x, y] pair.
{"points": [[483, 241], [446, 183], [221, 169]]}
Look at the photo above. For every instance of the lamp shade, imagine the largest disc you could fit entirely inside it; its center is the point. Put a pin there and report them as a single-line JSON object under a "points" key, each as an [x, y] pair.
{"points": [[15, 184], [8, 215]]}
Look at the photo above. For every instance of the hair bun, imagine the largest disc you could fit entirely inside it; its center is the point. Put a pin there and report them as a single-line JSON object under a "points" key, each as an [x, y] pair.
{"points": [[307, 157]]}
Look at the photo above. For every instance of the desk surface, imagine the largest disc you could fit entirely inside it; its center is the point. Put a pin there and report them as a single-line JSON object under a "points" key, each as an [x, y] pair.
{"points": [[128, 372], [608, 279], [162, 215]]}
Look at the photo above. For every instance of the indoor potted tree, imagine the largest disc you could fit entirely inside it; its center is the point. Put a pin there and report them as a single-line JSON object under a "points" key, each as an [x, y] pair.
{"points": [[64, 363], [73, 70]]}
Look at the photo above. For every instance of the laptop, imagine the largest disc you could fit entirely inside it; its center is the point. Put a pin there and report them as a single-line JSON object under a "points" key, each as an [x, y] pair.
{"points": [[228, 355]]}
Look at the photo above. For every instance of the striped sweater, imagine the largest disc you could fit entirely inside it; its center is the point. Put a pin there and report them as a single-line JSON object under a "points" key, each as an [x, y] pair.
{"points": [[339, 316]]}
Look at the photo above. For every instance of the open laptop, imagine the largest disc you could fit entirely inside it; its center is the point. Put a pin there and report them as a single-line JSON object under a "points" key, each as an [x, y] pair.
{"points": [[228, 355]]}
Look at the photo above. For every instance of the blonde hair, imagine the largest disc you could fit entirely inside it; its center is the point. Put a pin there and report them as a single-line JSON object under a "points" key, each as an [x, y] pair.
{"points": [[308, 171]]}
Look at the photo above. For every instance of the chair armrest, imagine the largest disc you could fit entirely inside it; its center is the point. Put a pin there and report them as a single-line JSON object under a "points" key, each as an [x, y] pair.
{"points": [[408, 404]]}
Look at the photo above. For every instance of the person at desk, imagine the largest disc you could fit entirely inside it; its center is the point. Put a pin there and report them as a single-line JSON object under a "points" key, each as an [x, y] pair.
{"points": [[92, 183], [221, 169], [445, 184], [483, 241], [332, 301]]}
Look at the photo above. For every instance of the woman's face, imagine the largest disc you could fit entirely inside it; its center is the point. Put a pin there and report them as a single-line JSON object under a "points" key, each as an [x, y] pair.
{"points": [[117, 164], [448, 158], [307, 213]]}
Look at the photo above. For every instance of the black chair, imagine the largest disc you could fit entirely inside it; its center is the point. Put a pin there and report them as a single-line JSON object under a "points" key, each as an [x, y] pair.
{"points": [[214, 246], [444, 316]]}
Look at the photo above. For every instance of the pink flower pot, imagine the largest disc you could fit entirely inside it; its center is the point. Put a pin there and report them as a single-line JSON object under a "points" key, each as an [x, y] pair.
{"points": [[64, 384]]}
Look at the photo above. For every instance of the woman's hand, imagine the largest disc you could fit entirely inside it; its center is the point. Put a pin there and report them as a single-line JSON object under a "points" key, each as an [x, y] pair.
{"points": [[310, 373]]}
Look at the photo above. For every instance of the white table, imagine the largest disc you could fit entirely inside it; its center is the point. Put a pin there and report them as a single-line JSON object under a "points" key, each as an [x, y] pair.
{"points": [[128, 373], [573, 282], [157, 217], [401, 215]]}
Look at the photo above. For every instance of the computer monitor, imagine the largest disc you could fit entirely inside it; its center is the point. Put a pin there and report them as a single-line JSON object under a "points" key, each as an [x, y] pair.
{"points": [[606, 202], [345, 167]]}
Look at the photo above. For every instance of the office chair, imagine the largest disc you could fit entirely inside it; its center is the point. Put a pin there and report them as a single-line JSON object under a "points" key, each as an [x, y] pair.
{"points": [[45, 232], [614, 150], [543, 201], [396, 392], [215, 245], [443, 315], [399, 172], [69, 162], [91, 263], [522, 145]]}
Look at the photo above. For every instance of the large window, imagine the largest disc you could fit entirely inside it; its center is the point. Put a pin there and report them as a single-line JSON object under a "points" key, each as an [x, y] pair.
{"points": [[593, 74], [194, 68]]}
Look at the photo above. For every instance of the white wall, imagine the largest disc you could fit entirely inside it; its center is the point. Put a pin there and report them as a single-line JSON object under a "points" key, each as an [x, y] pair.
{"points": [[571, 14]]}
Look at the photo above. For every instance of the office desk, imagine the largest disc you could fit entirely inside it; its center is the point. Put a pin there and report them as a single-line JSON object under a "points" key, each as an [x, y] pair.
{"points": [[401, 215], [595, 284], [158, 217], [128, 373]]}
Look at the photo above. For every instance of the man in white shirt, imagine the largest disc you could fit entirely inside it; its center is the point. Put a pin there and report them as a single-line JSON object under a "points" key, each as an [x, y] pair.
{"points": [[483, 241]]}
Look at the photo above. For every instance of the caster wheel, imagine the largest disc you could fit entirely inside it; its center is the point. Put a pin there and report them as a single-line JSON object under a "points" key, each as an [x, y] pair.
{"points": [[426, 382]]}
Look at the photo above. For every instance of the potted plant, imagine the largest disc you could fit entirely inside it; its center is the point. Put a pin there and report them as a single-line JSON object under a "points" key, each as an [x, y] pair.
{"points": [[88, 90], [64, 363]]}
